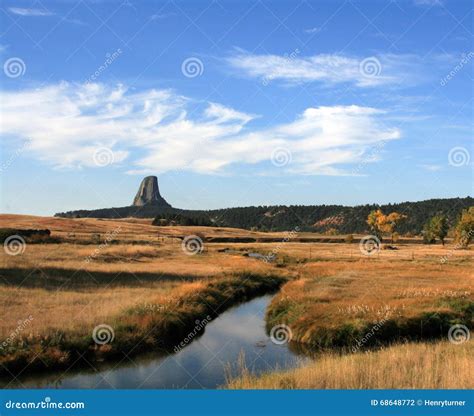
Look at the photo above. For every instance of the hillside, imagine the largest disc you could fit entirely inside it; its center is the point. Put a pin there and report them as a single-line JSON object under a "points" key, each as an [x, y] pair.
{"points": [[317, 218]]}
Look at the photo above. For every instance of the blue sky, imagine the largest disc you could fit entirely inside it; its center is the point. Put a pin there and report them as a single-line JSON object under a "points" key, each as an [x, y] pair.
{"points": [[235, 103]]}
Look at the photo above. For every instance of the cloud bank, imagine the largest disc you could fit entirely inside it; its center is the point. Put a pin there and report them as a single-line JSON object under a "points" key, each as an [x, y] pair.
{"points": [[159, 130]]}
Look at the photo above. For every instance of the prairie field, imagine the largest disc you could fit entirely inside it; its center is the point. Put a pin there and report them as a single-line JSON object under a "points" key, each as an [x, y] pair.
{"points": [[440, 365], [141, 280]]}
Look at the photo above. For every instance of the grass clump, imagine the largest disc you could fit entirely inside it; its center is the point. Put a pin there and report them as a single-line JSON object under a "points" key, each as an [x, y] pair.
{"points": [[440, 365]]}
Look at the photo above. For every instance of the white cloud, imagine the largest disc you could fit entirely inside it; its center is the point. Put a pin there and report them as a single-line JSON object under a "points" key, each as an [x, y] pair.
{"points": [[161, 16], [30, 12], [75, 21], [156, 131], [430, 167], [428, 3], [223, 114], [366, 71], [313, 30]]}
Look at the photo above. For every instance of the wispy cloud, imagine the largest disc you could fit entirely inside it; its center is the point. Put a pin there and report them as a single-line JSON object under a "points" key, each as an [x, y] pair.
{"points": [[75, 21], [363, 71], [30, 11], [161, 16], [156, 131], [313, 30], [428, 2], [431, 167]]}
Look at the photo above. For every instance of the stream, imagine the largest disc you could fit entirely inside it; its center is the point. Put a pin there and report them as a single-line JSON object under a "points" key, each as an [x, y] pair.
{"points": [[238, 333]]}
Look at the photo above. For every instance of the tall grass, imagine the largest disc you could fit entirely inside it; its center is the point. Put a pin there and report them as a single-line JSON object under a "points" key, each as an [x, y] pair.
{"points": [[439, 365]]}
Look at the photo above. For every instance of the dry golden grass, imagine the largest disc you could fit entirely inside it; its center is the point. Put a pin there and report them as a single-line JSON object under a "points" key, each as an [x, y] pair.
{"points": [[161, 269], [337, 297], [127, 229], [160, 258], [366, 288], [74, 285], [132, 229], [66, 286], [439, 365], [61, 290], [73, 310]]}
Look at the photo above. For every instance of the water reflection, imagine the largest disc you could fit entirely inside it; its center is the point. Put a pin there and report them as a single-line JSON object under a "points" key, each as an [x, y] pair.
{"points": [[202, 364]]}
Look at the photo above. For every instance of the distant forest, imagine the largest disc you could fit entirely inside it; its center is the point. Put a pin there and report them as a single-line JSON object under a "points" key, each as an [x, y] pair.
{"points": [[317, 218]]}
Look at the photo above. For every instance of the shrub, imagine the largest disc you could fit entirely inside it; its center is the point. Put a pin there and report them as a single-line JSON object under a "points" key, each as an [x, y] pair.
{"points": [[465, 227], [31, 236]]}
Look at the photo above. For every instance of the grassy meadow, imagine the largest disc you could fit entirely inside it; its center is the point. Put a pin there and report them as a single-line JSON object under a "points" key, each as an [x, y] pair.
{"points": [[439, 365], [335, 304], [136, 278]]}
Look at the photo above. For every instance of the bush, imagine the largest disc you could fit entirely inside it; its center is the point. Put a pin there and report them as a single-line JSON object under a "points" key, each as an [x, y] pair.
{"points": [[31, 236], [436, 227], [465, 228]]}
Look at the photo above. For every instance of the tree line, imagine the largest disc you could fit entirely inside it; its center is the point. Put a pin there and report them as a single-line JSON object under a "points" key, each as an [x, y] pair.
{"points": [[327, 219], [436, 227]]}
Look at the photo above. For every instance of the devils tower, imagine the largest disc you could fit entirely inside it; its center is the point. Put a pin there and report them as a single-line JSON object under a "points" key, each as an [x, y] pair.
{"points": [[148, 203], [149, 194]]}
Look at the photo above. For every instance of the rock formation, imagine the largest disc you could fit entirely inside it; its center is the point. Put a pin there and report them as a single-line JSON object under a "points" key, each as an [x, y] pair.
{"points": [[149, 194]]}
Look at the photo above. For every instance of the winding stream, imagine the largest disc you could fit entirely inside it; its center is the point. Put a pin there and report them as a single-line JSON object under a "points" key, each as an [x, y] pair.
{"points": [[238, 332]]}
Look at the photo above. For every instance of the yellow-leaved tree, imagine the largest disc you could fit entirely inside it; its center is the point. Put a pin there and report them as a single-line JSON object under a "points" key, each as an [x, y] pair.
{"points": [[380, 223], [465, 227]]}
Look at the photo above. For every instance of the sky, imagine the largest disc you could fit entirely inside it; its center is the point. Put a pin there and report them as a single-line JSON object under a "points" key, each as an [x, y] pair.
{"points": [[234, 103]]}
